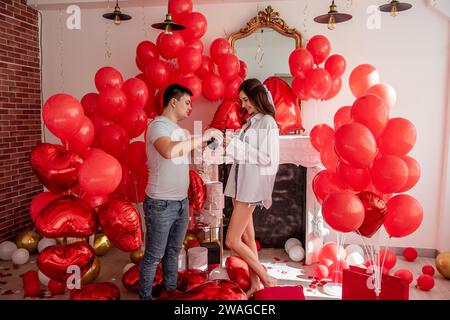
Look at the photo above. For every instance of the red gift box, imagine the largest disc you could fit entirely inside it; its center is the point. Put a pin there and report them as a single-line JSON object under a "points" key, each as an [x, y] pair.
{"points": [[356, 282], [280, 293]]}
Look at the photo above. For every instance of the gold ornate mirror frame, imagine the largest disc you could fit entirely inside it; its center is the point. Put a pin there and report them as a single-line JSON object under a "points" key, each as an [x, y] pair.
{"points": [[267, 19]]}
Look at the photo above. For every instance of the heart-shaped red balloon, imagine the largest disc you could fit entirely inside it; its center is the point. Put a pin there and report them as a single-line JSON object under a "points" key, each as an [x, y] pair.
{"points": [[96, 291], [130, 280], [288, 115], [375, 212], [238, 271], [196, 191], [53, 261], [55, 167], [191, 278], [67, 216], [229, 115], [213, 290], [121, 223]]}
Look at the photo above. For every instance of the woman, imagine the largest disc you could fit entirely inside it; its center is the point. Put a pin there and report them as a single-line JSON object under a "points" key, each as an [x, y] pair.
{"points": [[255, 151]]}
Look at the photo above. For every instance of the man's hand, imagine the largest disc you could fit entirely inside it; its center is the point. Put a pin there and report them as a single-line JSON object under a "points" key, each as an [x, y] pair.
{"points": [[213, 133]]}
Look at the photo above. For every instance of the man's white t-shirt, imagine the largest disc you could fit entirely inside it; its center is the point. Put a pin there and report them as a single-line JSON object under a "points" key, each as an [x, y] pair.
{"points": [[168, 178]]}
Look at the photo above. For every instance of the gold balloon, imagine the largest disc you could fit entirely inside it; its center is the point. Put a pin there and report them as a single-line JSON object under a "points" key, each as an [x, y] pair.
{"points": [[92, 273], [29, 240], [443, 264], [136, 255], [189, 237], [101, 244]]}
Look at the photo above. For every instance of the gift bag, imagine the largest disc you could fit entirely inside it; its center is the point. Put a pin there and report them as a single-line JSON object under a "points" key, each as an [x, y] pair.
{"points": [[356, 286], [280, 293]]}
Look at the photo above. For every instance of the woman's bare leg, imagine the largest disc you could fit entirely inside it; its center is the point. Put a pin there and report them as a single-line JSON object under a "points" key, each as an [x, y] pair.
{"points": [[238, 223], [249, 239]]}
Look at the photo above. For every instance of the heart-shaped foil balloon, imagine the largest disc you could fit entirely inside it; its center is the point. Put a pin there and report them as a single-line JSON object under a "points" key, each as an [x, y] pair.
{"points": [[121, 223], [287, 115], [375, 212], [191, 278], [67, 216], [130, 280], [96, 291], [213, 290], [54, 261], [196, 191], [55, 167], [238, 271], [229, 115]]}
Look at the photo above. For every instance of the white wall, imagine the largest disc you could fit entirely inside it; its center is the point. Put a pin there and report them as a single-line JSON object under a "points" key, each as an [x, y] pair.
{"points": [[411, 52]]}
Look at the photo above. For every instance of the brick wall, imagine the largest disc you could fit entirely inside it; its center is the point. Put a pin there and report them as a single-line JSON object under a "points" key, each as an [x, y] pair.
{"points": [[20, 121]]}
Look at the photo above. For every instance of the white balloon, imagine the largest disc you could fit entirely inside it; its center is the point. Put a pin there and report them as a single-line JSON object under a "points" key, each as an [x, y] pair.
{"points": [[7, 249], [296, 253], [354, 248], [20, 256], [290, 243], [43, 278], [218, 273], [355, 259], [45, 242], [127, 267]]}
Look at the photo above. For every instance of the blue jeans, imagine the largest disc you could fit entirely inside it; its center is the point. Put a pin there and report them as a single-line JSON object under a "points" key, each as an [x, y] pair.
{"points": [[167, 222]]}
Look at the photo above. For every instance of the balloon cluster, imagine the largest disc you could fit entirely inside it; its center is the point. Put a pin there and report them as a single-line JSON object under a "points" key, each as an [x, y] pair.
{"points": [[366, 160], [319, 83]]}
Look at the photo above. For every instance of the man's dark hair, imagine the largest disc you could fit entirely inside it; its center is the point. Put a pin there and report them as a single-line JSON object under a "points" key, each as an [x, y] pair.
{"points": [[174, 91]]}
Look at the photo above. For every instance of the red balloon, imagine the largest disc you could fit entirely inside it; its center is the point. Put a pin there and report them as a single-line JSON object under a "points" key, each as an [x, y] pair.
{"points": [[335, 270], [371, 111], [329, 157], [67, 216], [93, 200], [336, 65], [136, 92], [189, 60], [342, 116], [410, 254], [170, 45], [228, 66], [96, 291], [196, 191], [318, 83], [196, 26], [82, 140], [356, 179], [191, 278], [242, 69], [389, 258], [113, 139], [146, 51], [319, 46], [425, 282], [238, 271], [389, 174], [325, 183], [100, 121], [55, 167], [375, 211], [385, 92], [413, 173], [356, 145], [157, 73], [179, 9], [287, 115], [56, 287], [90, 103], [193, 83], [139, 64], [362, 78], [100, 174], [343, 211], [228, 116], [321, 135], [39, 202], [121, 223], [336, 86], [405, 215], [108, 77], [63, 115], [54, 261], [206, 67], [320, 272], [300, 88], [232, 87], [153, 108], [213, 87], [196, 44], [134, 122], [330, 252], [398, 138], [219, 47], [213, 290], [300, 63], [404, 274], [126, 189], [135, 155], [130, 279], [112, 103], [428, 270]]}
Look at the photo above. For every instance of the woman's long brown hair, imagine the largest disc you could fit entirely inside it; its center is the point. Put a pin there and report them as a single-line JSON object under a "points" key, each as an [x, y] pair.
{"points": [[257, 94]]}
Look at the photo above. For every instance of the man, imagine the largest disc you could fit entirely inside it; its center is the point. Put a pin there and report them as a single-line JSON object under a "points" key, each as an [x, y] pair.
{"points": [[166, 207]]}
